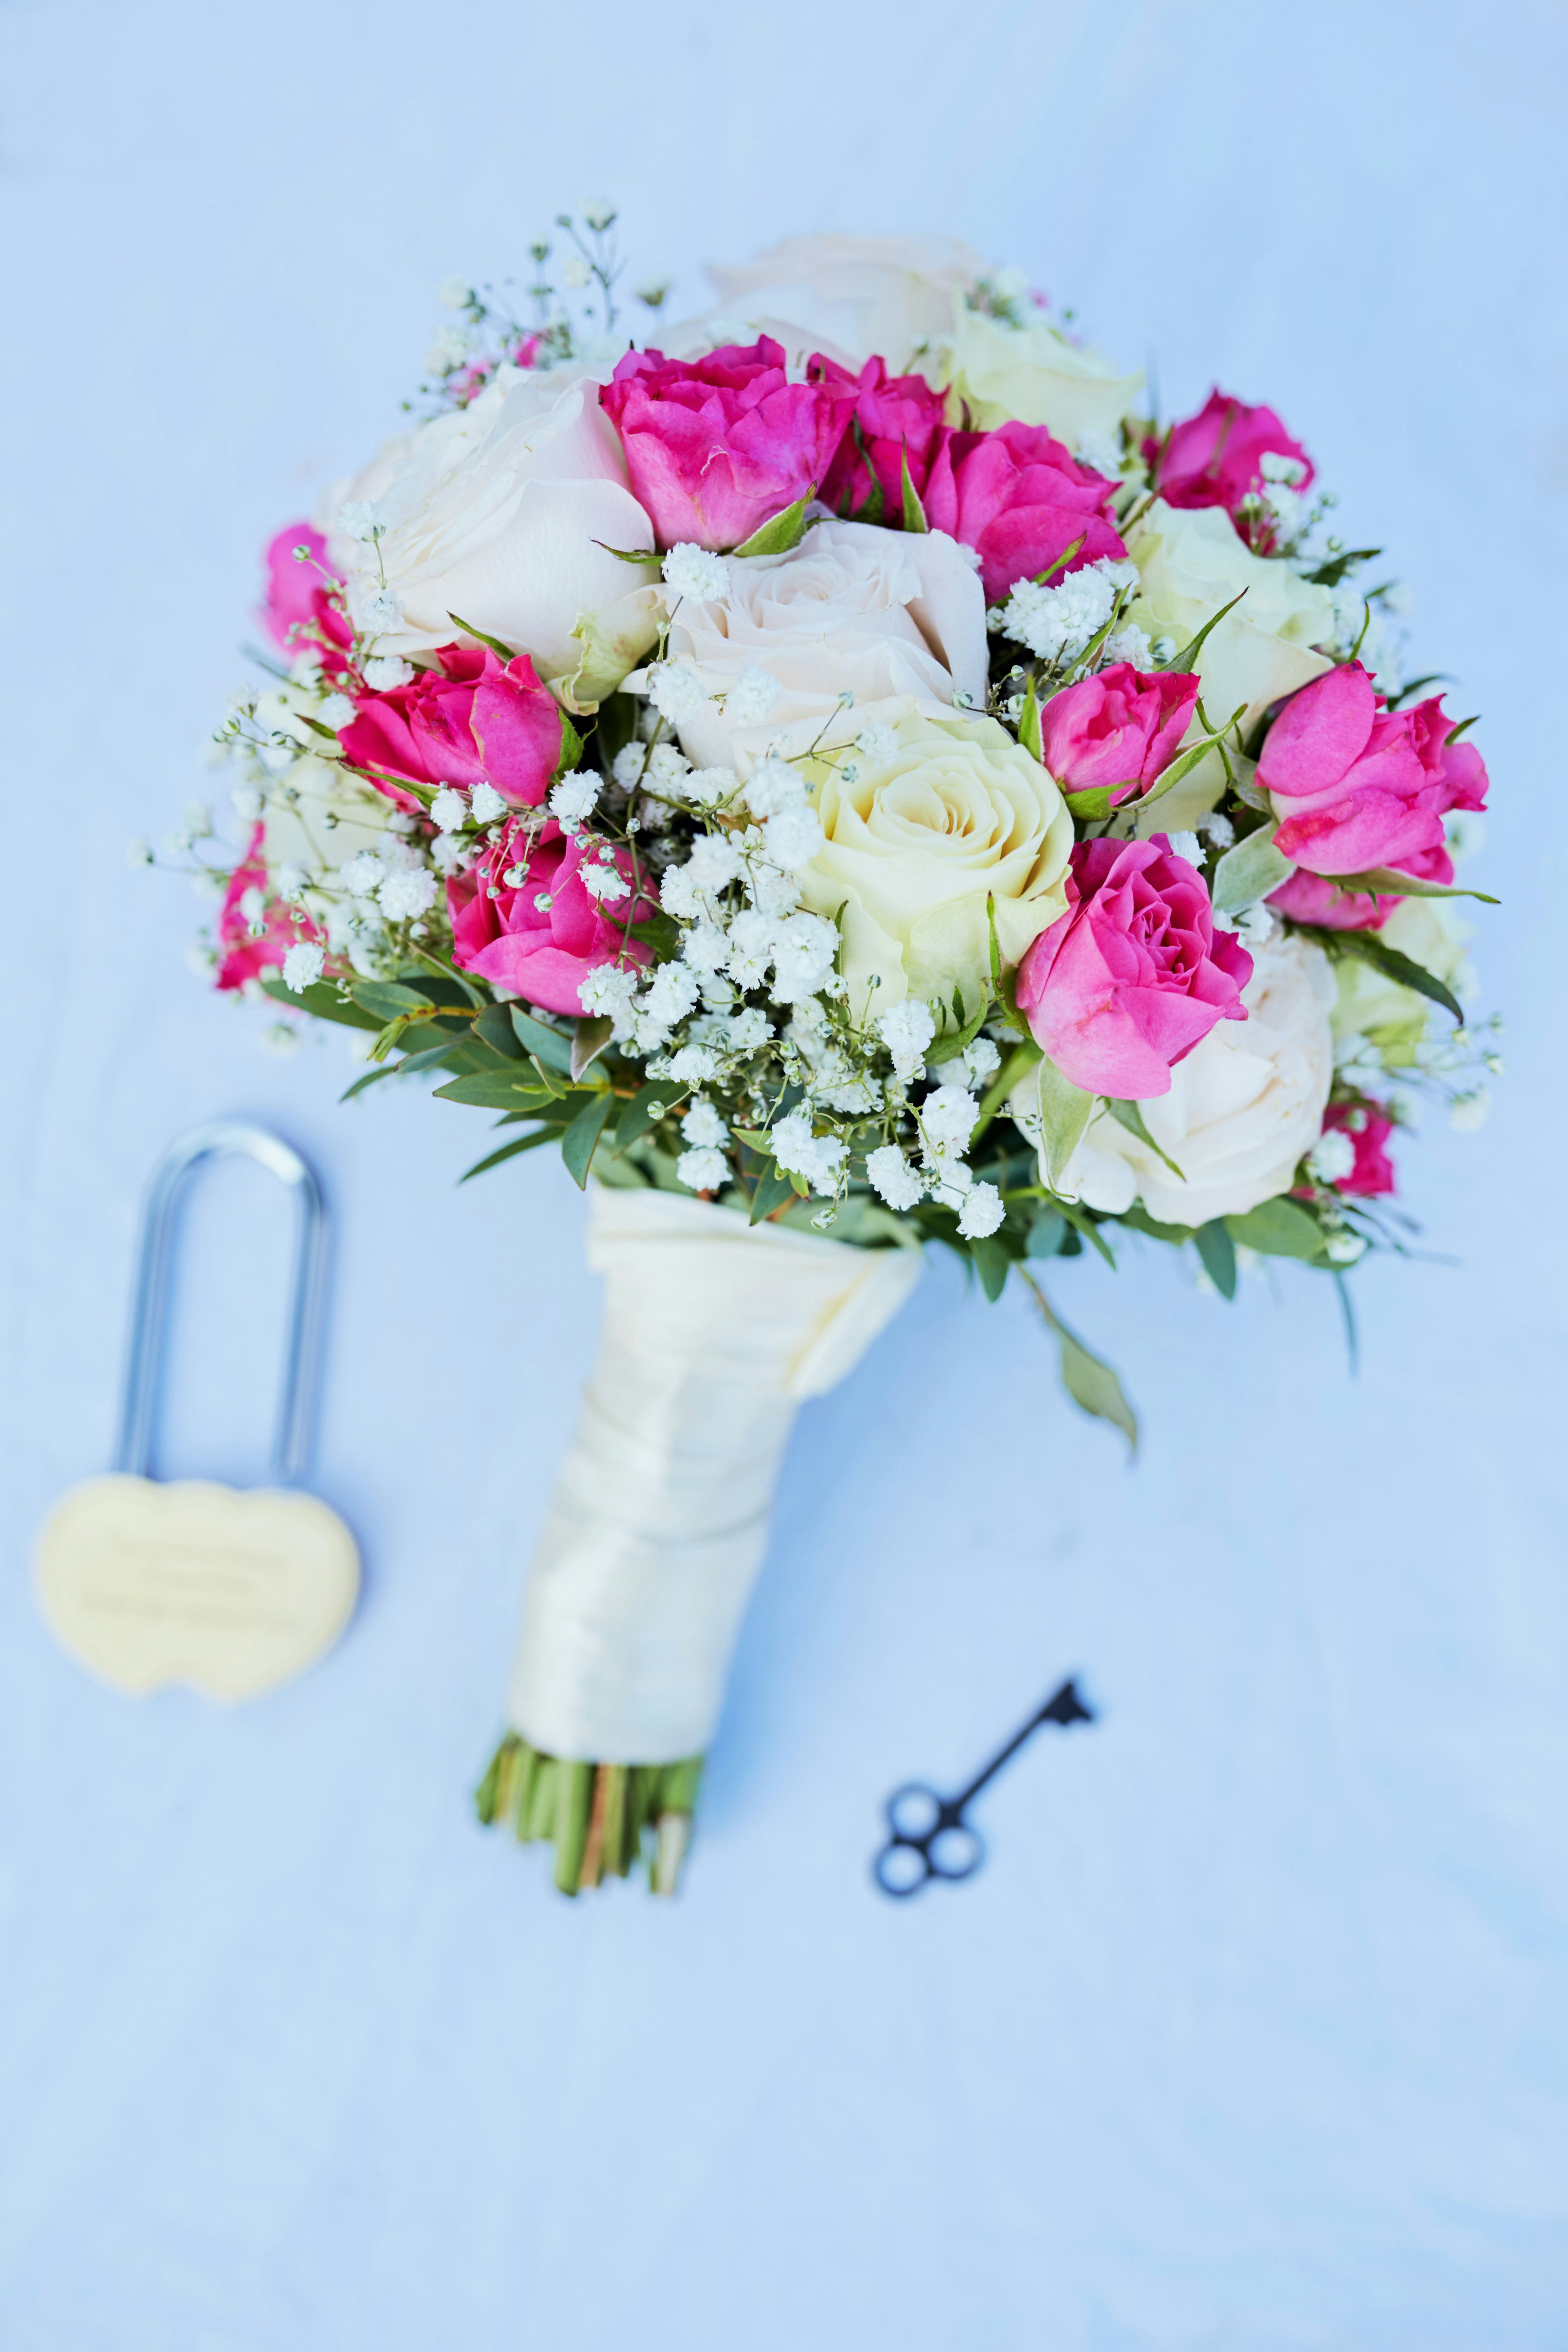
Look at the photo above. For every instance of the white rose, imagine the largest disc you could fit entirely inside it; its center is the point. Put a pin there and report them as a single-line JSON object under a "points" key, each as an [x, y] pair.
{"points": [[853, 609], [1430, 933], [915, 843], [1243, 1105], [319, 816], [493, 511], [1032, 375], [849, 296], [1191, 562]]}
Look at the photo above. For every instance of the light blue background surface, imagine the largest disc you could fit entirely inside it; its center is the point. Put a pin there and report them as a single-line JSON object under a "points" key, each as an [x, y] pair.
{"points": [[1251, 2035]]}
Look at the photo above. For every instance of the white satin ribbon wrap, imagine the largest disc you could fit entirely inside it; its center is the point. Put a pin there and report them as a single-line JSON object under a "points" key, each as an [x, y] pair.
{"points": [[714, 1332]]}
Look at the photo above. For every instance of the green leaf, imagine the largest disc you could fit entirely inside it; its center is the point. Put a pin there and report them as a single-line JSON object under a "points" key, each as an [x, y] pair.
{"points": [[1065, 1112], [497, 1033], [1330, 575], [1278, 1228], [953, 1041], [321, 1000], [635, 1120], [1088, 1379], [1250, 871], [1402, 969], [660, 932], [1047, 1231], [501, 1092], [510, 1152], [1187, 657], [628, 554], [1383, 880], [558, 1086], [1138, 1217], [992, 1263], [1130, 1115], [388, 998], [771, 1189], [1082, 1222], [505, 652], [1059, 563], [1030, 734], [588, 1043], [571, 744], [1090, 805], [781, 533], [914, 513], [1217, 1252], [551, 1046], [577, 1145], [386, 1070]]}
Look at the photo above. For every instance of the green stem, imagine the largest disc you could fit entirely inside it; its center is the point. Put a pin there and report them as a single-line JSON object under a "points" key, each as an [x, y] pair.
{"points": [[600, 1817]]}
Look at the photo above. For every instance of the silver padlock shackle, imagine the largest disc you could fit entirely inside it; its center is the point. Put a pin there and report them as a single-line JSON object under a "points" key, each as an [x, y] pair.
{"points": [[301, 1363]]}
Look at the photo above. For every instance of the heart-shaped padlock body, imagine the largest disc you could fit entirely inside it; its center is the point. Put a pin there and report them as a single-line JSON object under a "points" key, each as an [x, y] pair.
{"points": [[188, 1581]]}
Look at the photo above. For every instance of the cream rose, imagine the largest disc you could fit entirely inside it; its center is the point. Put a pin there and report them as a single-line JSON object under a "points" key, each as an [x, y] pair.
{"points": [[1034, 375], [1243, 1105], [917, 837], [849, 297], [1395, 1018], [1191, 562], [875, 614], [496, 511]]}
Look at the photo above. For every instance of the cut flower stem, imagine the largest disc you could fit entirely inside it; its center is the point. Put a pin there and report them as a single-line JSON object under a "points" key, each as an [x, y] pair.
{"points": [[595, 1815]]}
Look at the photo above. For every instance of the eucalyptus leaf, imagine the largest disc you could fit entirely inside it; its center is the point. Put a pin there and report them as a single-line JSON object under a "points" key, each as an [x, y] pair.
{"points": [[497, 1033], [484, 1093], [993, 1264], [635, 1119], [321, 1000], [771, 1189], [589, 1040], [551, 1046], [1047, 1231], [1278, 1228], [781, 533], [1087, 1379], [1218, 1251], [386, 1070], [510, 1152], [1250, 872], [388, 998], [1366, 947], [577, 1145]]}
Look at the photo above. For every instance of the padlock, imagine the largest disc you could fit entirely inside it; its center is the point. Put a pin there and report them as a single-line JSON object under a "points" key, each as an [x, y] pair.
{"points": [[149, 1582]]}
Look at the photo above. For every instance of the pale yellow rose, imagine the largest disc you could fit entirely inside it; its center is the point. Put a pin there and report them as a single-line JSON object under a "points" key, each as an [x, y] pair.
{"points": [[1033, 374], [1190, 562], [917, 838]]}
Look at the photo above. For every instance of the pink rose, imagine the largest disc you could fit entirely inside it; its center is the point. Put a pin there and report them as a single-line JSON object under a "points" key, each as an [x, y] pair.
{"points": [[1357, 785], [895, 417], [1120, 726], [717, 447], [242, 956], [475, 721], [1214, 458], [301, 610], [545, 952], [1019, 499], [1369, 1130], [1127, 981]]}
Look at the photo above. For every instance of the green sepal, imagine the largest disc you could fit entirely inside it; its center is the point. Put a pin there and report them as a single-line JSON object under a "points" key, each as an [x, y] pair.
{"points": [[1059, 563], [1065, 1112], [579, 1142], [570, 745], [638, 555], [1248, 871], [505, 653], [1182, 766], [914, 512], [781, 532], [1130, 1115], [1218, 1251], [1382, 881], [1095, 802]]}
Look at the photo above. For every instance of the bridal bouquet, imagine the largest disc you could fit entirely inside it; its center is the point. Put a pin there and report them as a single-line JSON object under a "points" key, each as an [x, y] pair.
{"points": [[850, 777]]}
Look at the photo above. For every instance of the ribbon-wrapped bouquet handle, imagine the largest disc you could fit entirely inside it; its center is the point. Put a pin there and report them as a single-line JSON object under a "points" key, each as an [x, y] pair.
{"points": [[714, 1332]]}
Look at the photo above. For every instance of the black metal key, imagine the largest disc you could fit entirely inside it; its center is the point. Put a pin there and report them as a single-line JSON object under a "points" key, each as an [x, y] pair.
{"points": [[928, 1836]]}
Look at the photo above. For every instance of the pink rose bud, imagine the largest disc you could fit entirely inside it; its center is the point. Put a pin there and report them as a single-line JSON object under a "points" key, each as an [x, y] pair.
{"points": [[544, 933], [476, 720], [298, 611], [1369, 1130], [1119, 728], [1313, 899], [242, 956], [1020, 499], [896, 419], [1215, 459], [717, 447], [1127, 981], [1356, 785]]}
